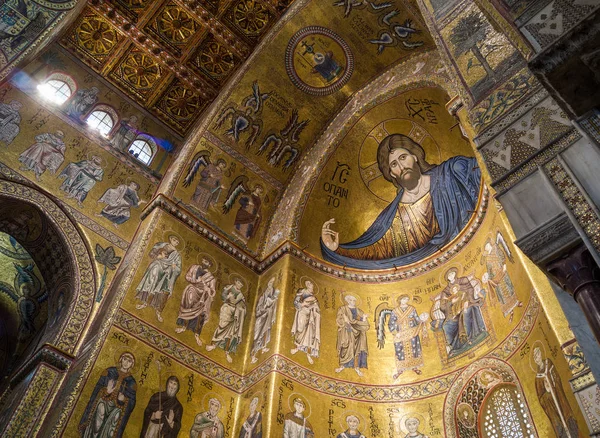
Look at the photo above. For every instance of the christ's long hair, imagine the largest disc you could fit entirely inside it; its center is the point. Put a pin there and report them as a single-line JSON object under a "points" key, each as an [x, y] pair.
{"points": [[399, 141]]}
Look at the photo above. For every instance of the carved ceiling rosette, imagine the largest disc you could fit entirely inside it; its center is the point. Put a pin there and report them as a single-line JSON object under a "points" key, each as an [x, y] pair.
{"points": [[93, 38], [251, 18], [96, 36], [214, 60], [180, 106], [138, 72], [174, 27]]}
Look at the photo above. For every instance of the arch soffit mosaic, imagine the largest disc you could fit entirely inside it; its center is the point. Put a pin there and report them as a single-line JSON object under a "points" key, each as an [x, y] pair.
{"points": [[423, 70], [68, 337]]}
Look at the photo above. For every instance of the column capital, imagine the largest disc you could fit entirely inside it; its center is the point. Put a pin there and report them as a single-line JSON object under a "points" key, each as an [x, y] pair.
{"points": [[575, 270]]}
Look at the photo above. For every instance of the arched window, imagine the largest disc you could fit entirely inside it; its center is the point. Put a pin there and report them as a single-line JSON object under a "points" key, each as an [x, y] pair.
{"points": [[57, 88], [505, 414], [101, 120], [142, 150]]}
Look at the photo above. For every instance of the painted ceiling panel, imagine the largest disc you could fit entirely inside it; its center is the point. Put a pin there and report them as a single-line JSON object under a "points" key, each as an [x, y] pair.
{"points": [[171, 56]]}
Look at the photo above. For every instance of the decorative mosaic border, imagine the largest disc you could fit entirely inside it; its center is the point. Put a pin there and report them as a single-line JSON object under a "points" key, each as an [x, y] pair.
{"points": [[25, 420], [178, 351], [524, 170], [191, 221], [574, 199], [534, 98], [127, 266], [85, 287], [392, 393]]}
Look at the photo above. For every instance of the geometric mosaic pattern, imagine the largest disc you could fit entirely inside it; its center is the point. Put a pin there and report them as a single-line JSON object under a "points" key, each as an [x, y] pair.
{"points": [[537, 129], [171, 57]]}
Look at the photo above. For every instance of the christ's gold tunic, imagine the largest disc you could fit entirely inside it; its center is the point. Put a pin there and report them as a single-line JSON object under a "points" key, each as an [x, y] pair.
{"points": [[413, 226]]}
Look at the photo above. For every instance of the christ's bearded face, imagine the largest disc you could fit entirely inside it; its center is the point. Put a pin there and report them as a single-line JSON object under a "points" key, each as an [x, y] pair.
{"points": [[404, 167]]}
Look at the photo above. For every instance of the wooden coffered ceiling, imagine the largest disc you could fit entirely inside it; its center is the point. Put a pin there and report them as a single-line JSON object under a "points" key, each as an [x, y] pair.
{"points": [[170, 56]]}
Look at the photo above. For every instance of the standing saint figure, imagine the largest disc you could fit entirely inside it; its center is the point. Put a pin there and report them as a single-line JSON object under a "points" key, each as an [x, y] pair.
{"points": [[463, 325], [494, 260], [10, 118], [352, 329], [156, 285], [247, 218], [126, 134], [111, 402], [81, 177], [48, 152], [433, 204], [295, 425], [197, 299], [207, 424], [551, 395], [210, 185], [119, 202], [407, 327], [228, 334], [83, 100], [265, 316], [306, 329], [412, 426], [162, 416], [352, 432], [252, 427]]}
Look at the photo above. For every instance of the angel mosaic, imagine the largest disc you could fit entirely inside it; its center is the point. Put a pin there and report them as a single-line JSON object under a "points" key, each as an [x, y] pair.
{"points": [[457, 309], [156, 286], [228, 334], [284, 145], [494, 258], [245, 117], [352, 326], [209, 187], [407, 328], [306, 330], [265, 316], [28, 293], [111, 402], [247, 217]]}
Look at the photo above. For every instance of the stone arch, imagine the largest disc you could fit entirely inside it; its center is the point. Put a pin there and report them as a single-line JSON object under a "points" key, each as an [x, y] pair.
{"points": [[469, 394], [60, 252]]}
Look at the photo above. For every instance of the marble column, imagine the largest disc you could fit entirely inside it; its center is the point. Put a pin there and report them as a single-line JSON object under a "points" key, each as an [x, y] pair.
{"points": [[578, 273]]}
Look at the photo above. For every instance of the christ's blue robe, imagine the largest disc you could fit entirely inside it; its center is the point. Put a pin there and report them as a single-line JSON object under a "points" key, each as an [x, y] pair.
{"points": [[454, 190]]}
